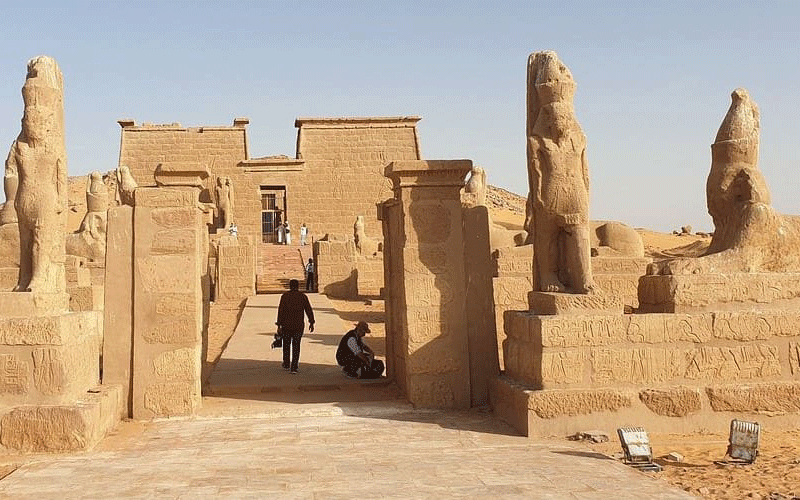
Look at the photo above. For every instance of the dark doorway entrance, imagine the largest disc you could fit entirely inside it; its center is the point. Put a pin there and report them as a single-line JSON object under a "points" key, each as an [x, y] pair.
{"points": [[273, 212]]}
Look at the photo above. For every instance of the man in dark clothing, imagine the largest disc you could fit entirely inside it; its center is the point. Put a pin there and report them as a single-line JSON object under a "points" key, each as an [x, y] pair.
{"points": [[310, 270], [356, 357], [291, 322]]}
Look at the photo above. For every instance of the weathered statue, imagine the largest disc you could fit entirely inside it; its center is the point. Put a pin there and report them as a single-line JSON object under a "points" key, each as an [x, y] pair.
{"points": [[364, 245], [749, 235], [559, 179], [90, 239], [8, 214], [477, 185], [126, 185], [39, 158], [225, 201]]}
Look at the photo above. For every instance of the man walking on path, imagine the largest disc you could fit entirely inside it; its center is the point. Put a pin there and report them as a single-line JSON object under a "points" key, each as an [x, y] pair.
{"points": [[310, 271], [291, 322], [356, 357]]}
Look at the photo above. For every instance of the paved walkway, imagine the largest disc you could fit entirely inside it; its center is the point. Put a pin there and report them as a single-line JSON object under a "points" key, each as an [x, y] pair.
{"points": [[249, 366], [332, 451]]}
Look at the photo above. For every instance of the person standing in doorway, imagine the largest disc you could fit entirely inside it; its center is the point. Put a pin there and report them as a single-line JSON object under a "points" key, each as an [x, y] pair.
{"points": [[303, 234], [287, 237], [280, 234], [293, 305], [310, 272]]}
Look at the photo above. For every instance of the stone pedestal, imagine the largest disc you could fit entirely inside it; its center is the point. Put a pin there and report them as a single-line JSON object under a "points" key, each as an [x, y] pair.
{"points": [[719, 292], [33, 304], [235, 268], [426, 306], [574, 303]]}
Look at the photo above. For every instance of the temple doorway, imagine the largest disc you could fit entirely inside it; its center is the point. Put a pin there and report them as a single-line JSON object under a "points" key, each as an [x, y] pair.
{"points": [[273, 212]]}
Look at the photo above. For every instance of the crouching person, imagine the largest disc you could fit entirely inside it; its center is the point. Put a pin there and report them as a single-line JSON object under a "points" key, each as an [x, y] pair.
{"points": [[356, 357]]}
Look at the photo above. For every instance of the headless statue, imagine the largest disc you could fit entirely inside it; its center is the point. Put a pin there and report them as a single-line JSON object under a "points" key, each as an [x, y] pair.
{"points": [[126, 185], [225, 200], [477, 185], [90, 239], [39, 158], [559, 180]]}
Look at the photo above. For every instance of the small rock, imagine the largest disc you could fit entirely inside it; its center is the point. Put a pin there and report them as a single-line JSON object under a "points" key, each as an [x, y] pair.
{"points": [[686, 229], [704, 491], [593, 436], [675, 457]]}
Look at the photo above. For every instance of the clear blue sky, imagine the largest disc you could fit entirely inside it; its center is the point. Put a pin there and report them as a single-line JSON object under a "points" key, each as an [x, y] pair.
{"points": [[654, 80]]}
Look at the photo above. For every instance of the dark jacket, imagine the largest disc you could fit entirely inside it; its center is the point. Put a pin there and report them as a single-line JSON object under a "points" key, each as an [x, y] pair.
{"points": [[343, 353], [290, 311]]}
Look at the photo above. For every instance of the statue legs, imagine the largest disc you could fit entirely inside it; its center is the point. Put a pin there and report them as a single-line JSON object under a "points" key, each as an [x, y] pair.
{"points": [[577, 247], [546, 252]]}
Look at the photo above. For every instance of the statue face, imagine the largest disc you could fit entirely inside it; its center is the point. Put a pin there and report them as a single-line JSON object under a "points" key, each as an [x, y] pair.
{"points": [[37, 122]]}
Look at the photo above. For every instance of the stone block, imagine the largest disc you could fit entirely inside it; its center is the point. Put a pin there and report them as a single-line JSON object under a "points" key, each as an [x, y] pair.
{"points": [[48, 359], [8, 278], [23, 304], [573, 303], [719, 292], [769, 398], [672, 402], [79, 425], [85, 298], [620, 265], [9, 245]]}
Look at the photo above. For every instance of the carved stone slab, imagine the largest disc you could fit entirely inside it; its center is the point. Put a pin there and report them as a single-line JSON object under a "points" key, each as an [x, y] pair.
{"points": [[573, 303], [719, 292]]}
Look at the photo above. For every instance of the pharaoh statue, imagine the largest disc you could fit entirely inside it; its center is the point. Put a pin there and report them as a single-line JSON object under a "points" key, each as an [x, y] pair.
{"points": [[559, 180], [8, 214], [38, 156], [90, 239], [224, 194], [749, 235], [477, 185], [126, 185]]}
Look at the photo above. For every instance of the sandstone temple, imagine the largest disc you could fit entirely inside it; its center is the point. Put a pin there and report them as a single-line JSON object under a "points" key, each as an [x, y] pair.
{"points": [[563, 325]]}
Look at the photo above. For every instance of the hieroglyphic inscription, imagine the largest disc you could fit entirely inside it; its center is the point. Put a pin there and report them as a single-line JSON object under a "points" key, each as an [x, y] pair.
{"points": [[746, 326], [657, 328], [430, 290], [732, 363], [635, 365], [166, 273], [171, 398], [424, 324], [705, 289], [429, 223], [794, 357], [174, 241], [565, 367], [174, 218], [563, 331], [180, 364], [30, 331], [172, 332], [177, 305], [49, 374], [160, 197], [13, 375], [619, 265]]}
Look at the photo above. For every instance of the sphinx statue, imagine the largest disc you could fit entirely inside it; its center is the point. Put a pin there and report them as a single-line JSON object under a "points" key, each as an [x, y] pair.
{"points": [[477, 185], [90, 239], [749, 235], [364, 245], [38, 156], [559, 180]]}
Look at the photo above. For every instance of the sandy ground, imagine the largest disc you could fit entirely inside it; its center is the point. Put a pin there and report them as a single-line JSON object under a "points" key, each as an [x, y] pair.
{"points": [[775, 475]]}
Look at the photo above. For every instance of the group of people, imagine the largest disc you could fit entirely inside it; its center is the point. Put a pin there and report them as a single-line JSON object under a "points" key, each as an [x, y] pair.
{"points": [[355, 357], [285, 234]]}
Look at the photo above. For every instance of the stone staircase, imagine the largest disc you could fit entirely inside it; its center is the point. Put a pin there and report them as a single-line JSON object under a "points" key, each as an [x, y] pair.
{"points": [[277, 264]]}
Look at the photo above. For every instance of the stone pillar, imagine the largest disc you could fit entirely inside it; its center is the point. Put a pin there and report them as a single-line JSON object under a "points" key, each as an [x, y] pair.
{"points": [[236, 268], [118, 311], [167, 302], [428, 296]]}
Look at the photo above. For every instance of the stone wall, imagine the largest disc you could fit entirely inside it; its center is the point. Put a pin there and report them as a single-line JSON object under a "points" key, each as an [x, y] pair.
{"points": [[235, 276], [343, 272]]}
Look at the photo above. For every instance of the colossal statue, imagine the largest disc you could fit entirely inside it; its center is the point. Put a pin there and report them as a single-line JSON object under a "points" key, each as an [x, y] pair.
{"points": [[8, 214], [90, 239], [126, 185], [39, 157], [749, 235], [559, 180], [224, 194]]}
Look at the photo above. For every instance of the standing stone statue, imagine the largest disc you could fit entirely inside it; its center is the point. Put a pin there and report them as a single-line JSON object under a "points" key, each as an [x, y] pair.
{"points": [[8, 214], [559, 180], [225, 200], [477, 185], [90, 239], [40, 160], [126, 185], [749, 234]]}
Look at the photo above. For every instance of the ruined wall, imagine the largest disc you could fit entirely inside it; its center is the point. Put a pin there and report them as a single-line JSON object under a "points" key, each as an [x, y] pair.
{"points": [[221, 149], [343, 272]]}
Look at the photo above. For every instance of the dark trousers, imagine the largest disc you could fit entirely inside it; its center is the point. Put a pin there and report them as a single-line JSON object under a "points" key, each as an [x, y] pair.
{"points": [[291, 338], [310, 282], [356, 367]]}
